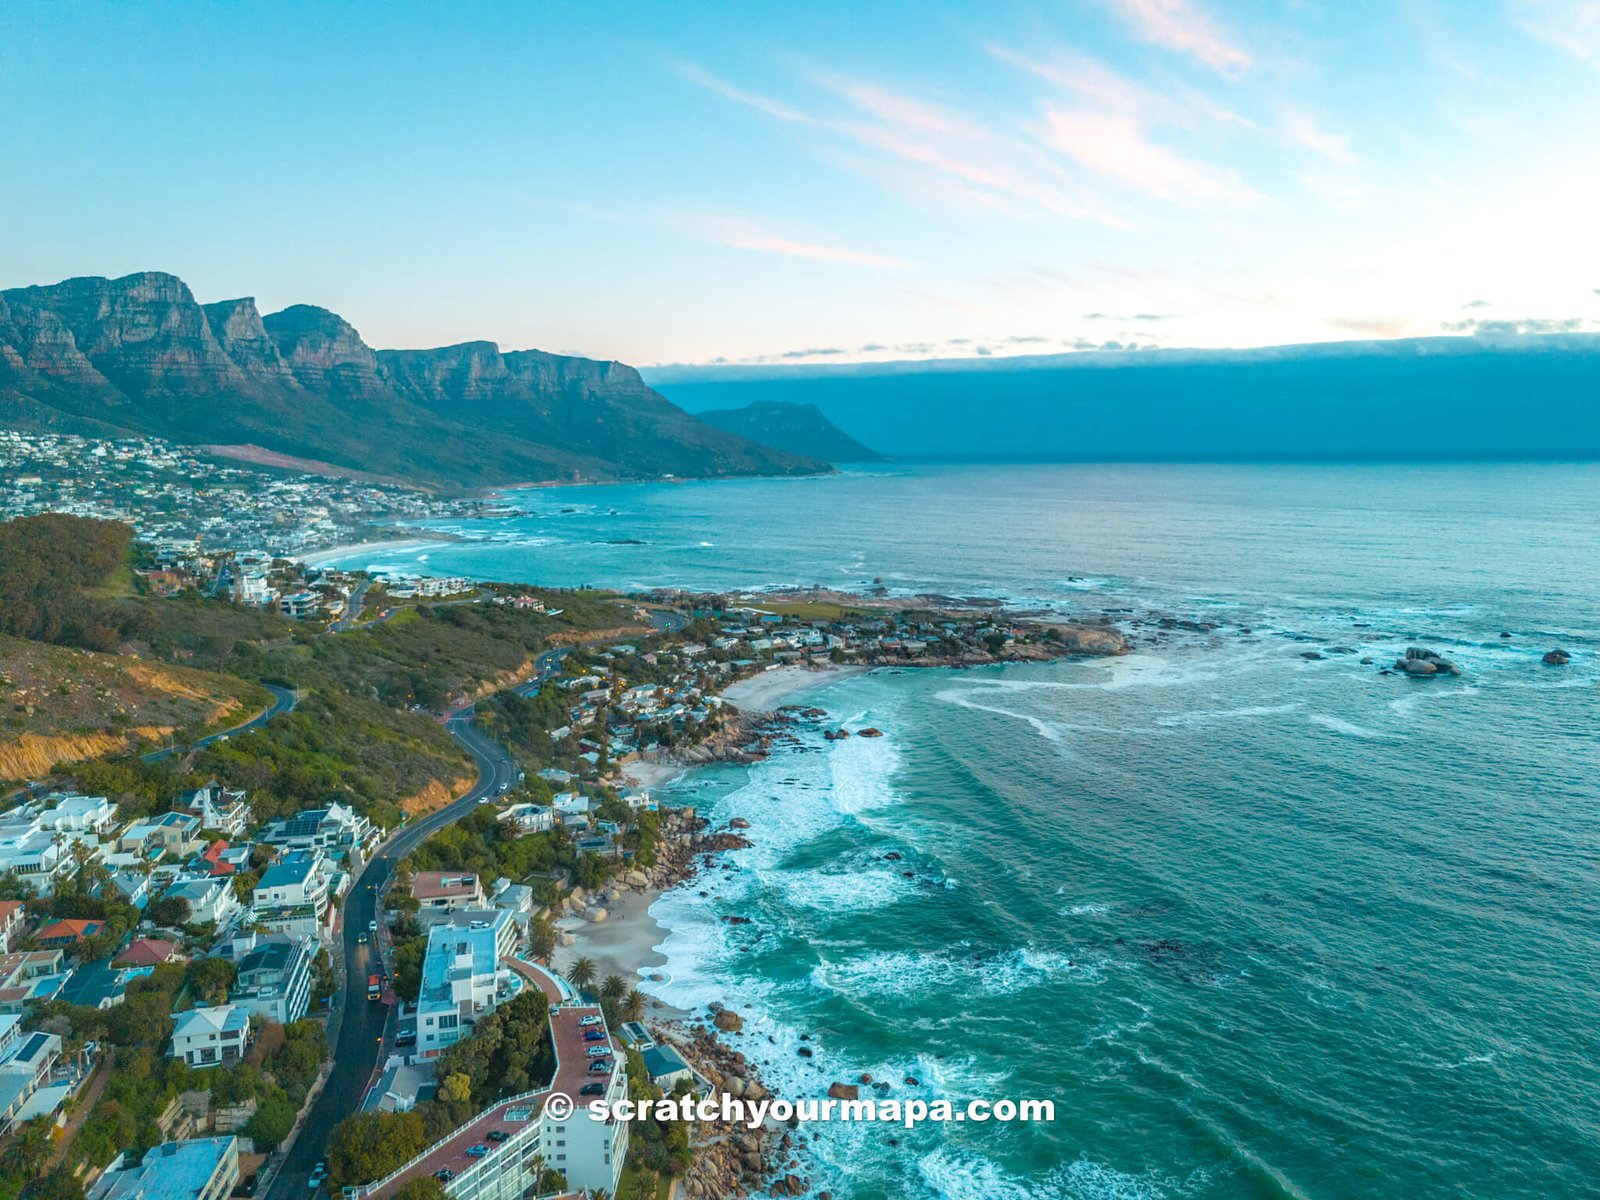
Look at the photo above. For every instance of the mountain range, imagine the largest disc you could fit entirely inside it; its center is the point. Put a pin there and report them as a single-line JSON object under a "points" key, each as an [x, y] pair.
{"points": [[140, 356], [1491, 395]]}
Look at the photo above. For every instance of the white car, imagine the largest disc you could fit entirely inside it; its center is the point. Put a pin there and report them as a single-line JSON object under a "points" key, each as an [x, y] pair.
{"points": [[599, 1051], [372, 927], [318, 1174], [587, 1021]]}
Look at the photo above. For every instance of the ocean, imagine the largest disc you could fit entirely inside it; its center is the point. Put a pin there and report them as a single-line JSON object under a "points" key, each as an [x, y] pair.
{"points": [[1260, 925]]}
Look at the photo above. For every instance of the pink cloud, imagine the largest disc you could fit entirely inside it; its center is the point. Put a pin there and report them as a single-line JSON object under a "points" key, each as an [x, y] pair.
{"points": [[1183, 27], [1114, 146], [745, 235]]}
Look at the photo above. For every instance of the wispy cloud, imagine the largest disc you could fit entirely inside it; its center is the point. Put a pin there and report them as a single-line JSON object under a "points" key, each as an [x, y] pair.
{"points": [[1572, 26], [957, 151], [1115, 146], [747, 235], [1335, 147], [1184, 28]]}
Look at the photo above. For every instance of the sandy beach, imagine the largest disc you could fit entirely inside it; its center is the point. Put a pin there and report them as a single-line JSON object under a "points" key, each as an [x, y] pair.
{"points": [[624, 944], [373, 549], [771, 689]]}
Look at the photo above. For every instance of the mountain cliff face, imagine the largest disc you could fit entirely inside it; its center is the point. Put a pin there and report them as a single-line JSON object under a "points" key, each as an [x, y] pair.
{"points": [[798, 428], [138, 355]]}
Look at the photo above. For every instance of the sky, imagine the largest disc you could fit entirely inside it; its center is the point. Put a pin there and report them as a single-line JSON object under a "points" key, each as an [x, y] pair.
{"points": [[827, 182]]}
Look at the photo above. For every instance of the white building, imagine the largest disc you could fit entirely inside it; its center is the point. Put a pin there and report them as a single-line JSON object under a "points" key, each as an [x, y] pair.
{"points": [[198, 1169], [333, 831], [274, 976], [210, 899], [462, 979], [292, 895], [218, 808], [211, 1036]]}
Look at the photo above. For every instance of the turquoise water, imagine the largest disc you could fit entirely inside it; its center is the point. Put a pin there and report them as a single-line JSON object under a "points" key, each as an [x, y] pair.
{"points": [[1261, 926]]}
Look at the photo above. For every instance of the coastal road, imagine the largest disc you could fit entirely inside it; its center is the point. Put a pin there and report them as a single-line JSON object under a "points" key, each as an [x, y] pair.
{"points": [[283, 700], [364, 1025], [352, 608]]}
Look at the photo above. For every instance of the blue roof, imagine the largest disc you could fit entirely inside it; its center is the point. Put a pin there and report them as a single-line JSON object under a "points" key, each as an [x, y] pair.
{"points": [[291, 869]]}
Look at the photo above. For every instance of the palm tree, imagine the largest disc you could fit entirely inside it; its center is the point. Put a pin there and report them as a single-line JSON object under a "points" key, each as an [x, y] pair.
{"points": [[582, 972], [613, 988], [633, 1005]]}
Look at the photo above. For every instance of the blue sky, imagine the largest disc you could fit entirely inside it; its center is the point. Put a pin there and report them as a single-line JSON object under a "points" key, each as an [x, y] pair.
{"points": [[832, 181]]}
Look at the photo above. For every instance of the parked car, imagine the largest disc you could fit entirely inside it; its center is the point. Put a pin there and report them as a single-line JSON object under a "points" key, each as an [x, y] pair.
{"points": [[478, 1151], [601, 1066], [586, 1021], [594, 1035], [597, 1051], [499, 1135], [592, 1089], [444, 1174]]}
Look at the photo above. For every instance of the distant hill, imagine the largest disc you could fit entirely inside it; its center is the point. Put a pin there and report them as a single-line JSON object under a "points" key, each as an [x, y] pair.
{"points": [[797, 428], [1447, 397], [139, 355]]}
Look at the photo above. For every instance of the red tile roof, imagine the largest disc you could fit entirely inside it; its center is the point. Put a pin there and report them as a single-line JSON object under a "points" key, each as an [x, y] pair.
{"points": [[69, 930], [146, 952]]}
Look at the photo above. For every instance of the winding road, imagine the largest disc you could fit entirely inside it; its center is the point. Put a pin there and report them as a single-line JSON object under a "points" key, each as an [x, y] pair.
{"points": [[283, 700]]}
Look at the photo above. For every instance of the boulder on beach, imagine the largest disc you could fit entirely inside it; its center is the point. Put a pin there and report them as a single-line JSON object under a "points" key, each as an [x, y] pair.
{"points": [[636, 879], [728, 1021], [1556, 658], [597, 915]]}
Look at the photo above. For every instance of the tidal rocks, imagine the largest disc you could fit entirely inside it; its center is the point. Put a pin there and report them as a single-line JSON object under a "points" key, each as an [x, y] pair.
{"points": [[1420, 662], [870, 732], [1313, 655], [844, 1091], [1556, 658], [728, 1021]]}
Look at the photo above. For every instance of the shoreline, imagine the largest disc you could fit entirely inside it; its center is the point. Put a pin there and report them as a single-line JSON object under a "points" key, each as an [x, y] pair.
{"points": [[318, 558], [771, 689]]}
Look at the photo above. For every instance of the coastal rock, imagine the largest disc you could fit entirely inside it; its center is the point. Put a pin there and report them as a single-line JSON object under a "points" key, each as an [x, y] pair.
{"points": [[1423, 662], [1314, 655], [738, 823], [869, 732], [637, 879], [1556, 658], [728, 1021], [597, 915], [844, 1091]]}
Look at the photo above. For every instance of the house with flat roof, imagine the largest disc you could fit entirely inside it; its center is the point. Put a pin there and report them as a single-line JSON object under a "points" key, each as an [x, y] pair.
{"points": [[207, 1037], [13, 920], [23, 1070], [273, 978], [197, 1169], [462, 979], [173, 833], [292, 895], [334, 831], [446, 889], [30, 975]]}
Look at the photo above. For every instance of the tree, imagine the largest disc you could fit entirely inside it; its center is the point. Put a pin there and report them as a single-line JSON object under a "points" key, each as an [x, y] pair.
{"points": [[542, 937], [424, 1187], [210, 977], [368, 1145], [582, 972], [614, 988], [633, 1005]]}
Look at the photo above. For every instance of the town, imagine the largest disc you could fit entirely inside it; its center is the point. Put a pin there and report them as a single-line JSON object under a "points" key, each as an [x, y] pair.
{"points": [[203, 995]]}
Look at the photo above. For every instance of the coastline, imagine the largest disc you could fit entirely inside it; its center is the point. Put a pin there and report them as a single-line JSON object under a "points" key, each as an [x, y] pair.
{"points": [[770, 689], [319, 558]]}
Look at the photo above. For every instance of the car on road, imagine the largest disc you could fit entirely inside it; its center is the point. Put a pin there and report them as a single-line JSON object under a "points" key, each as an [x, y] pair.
{"points": [[362, 940], [318, 1174], [478, 1151], [372, 927], [592, 1089], [503, 786]]}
